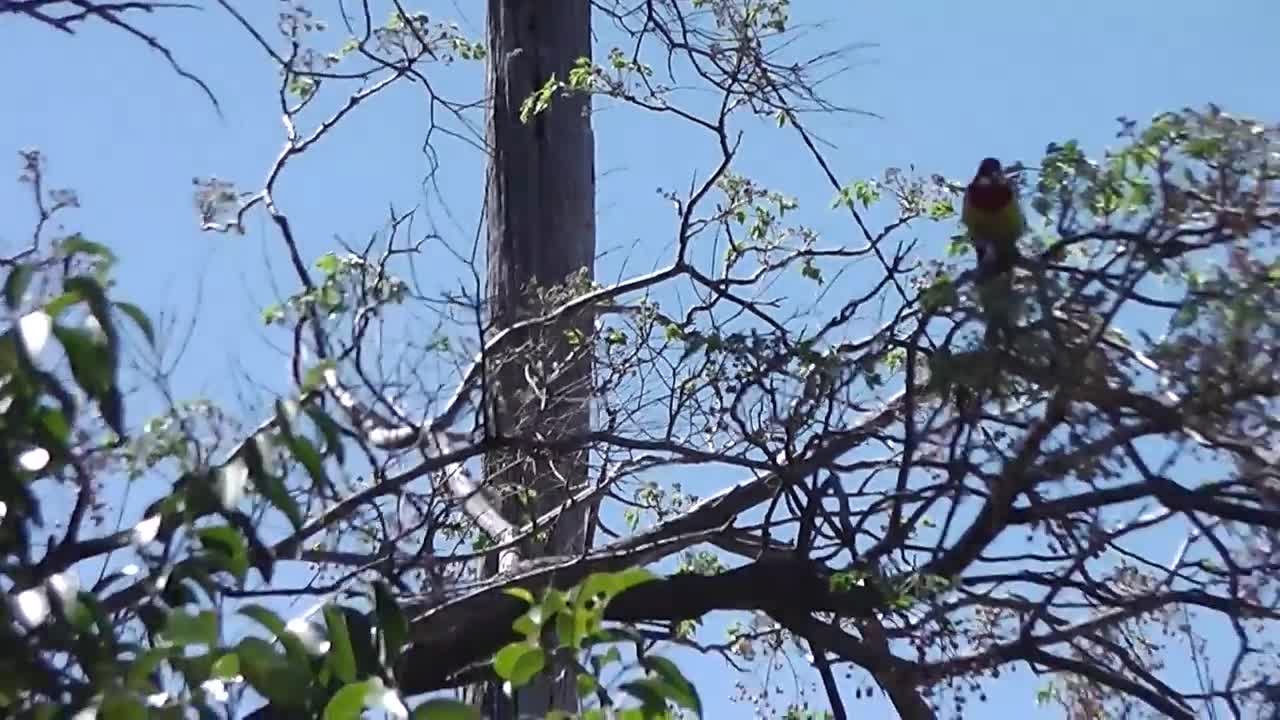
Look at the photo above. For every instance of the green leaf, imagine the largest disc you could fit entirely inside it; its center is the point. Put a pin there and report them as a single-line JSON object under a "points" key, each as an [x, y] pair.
{"points": [[360, 629], [276, 677], [306, 454], [313, 378], [391, 621], [226, 667], [15, 286], [521, 593], [77, 244], [59, 304], [941, 294], [269, 484], [441, 709], [347, 703], [140, 319], [122, 705], [266, 618], [678, 687], [650, 693], [140, 670], [529, 624], [225, 548], [96, 297], [811, 271], [200, 629], [519, 662], [271, 621], [330, 431], [1185, 316], [340, 657], [590, 599], [92, 365], [587, 684], [54, 422], [328, 263], [554, 602]]}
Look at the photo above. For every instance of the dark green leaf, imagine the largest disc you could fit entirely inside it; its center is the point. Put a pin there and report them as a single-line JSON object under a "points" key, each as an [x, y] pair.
{"points": [[15, 286], [91, 363], [340, 657], [650, 693], [330, 431], [269, 484], [1185, 316], [183, 629], [304, 452], [279, 679], [111, 405], [678, 687], [586, 684], [226, 549], [391, 622], [54, 422], [360, 630], [195, 669], [264, 617], [271, 621], [140, 670], [140, 319], [77, 244], [122, 705], [94, 294]]}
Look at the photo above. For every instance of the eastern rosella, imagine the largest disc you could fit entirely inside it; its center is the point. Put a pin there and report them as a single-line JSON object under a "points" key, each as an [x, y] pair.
{"points": [[994, 220]]}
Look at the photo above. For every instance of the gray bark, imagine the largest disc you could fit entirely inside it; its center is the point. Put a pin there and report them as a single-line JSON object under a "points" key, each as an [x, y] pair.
{"points": [[540, 207]]}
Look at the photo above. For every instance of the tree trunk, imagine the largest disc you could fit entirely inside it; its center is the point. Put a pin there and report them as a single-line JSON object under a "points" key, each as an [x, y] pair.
{"points": [[540, 209]]}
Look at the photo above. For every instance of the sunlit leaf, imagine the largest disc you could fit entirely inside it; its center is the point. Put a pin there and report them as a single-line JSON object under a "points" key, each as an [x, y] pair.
{"points": [[347, 703], [519, 662], [443, 709]]}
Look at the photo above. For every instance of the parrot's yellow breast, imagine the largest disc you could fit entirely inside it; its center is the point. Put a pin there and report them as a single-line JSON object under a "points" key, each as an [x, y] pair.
{"points": [[1004, 225]]}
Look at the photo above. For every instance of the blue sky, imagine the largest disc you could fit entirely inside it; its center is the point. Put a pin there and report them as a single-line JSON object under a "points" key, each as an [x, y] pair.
{"points": [[951, 82]]}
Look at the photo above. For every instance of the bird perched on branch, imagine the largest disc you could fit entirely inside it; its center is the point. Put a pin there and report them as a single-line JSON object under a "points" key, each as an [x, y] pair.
{"points": [[994, 218], [995, 221]]}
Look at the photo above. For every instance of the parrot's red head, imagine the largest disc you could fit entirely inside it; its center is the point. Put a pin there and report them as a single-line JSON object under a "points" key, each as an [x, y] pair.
{"points": [[990, 189], [990, 169]]}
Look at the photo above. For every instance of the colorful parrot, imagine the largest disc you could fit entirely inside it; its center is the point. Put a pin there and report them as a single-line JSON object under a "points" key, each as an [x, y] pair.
{"points": [[994, 220]]}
